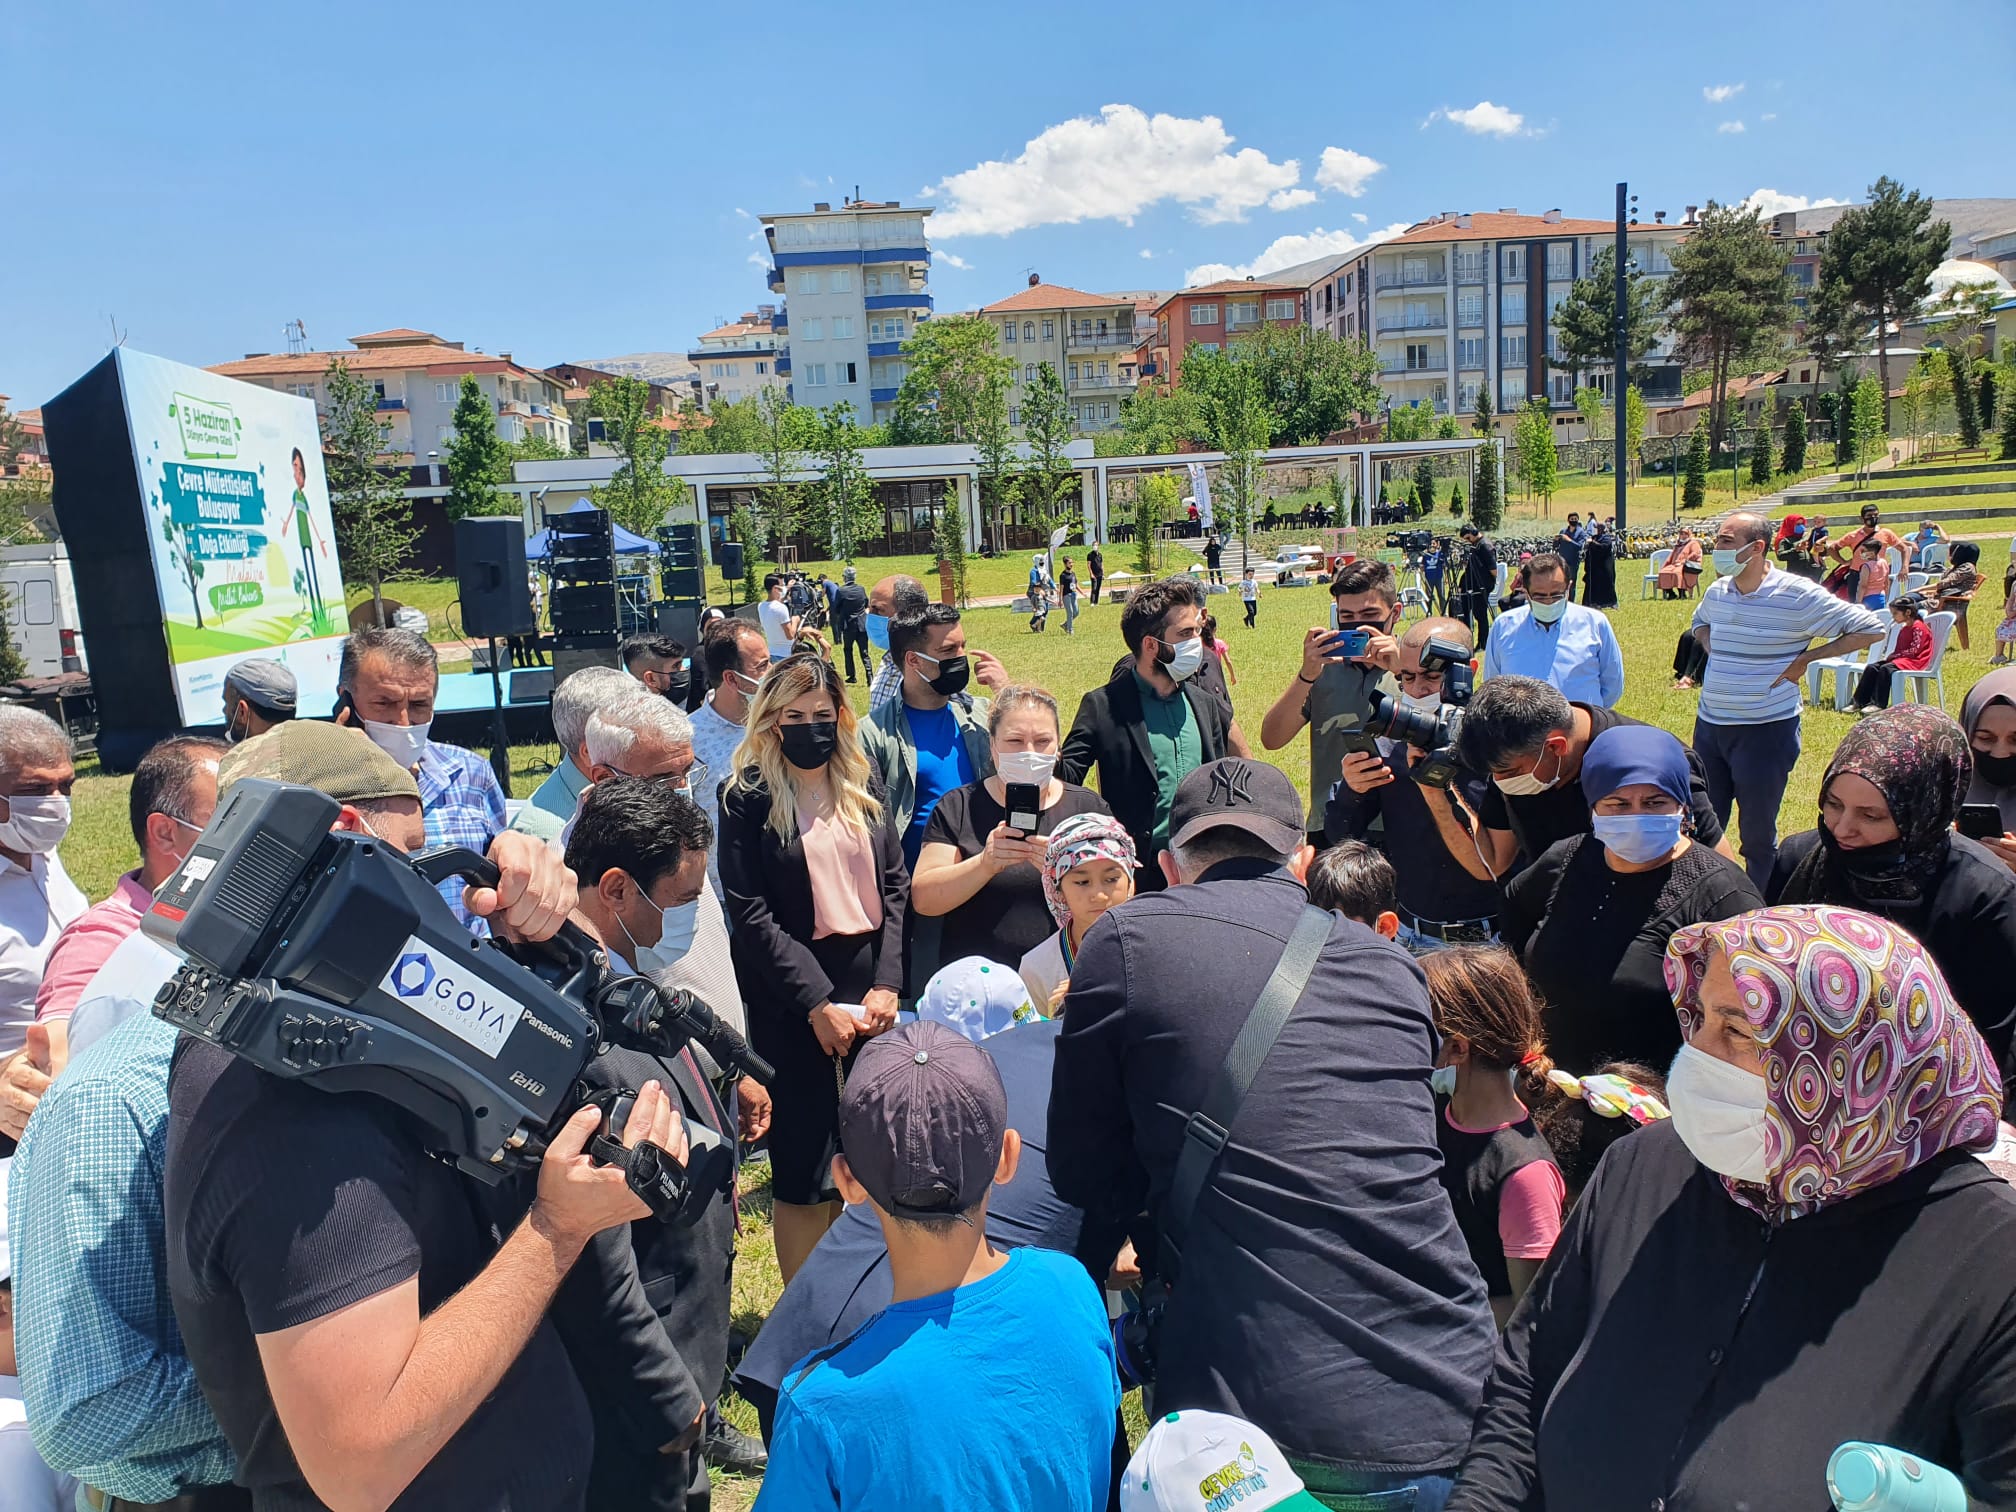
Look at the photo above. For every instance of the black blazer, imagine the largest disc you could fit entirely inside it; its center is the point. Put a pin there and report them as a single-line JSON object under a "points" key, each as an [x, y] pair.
{"points": [[1109, 734], [769, 901]]}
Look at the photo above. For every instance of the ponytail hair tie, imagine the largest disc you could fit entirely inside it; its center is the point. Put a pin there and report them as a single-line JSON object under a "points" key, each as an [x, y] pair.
{"points": [[1612, 1096], [1531, 1056]]}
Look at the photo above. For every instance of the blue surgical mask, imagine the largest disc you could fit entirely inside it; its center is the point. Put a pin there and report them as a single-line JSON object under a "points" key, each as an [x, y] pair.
{"points": [[675, 938], [1638, 838], [878, 630]]}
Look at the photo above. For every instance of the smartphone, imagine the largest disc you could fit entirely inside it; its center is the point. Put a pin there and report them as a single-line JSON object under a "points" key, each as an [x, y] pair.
{"points": [[1349, 643], [1980, 821], [1025, 806], [344, 701]]}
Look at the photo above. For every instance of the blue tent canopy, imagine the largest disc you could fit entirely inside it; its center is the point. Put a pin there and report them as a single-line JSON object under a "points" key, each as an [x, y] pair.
{"points": [[628, 543]]}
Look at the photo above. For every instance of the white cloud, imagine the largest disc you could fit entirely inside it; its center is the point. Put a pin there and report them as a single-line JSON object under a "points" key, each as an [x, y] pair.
{"points": [[1768, 202], [1361, 218], [1769, 115], [1290, 199], [1345, 171], [1111, 168], [1285, 251], [1730, 128], [759, 260], [1484, 119], [1718, 94], [741, 212], [951, 259], [1146, 252]]}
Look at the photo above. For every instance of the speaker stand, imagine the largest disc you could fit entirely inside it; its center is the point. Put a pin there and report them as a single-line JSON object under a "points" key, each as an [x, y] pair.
{"points": [[500, 742]]}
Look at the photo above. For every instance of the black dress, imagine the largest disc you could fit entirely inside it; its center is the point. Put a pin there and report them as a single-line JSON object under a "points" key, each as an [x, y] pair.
{"points": [[1007, 918], [1594, 942], [785, 973], [1599, 572]]}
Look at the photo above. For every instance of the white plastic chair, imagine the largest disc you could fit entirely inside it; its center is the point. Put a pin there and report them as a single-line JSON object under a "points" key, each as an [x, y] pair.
{"points": [[1908, 684], [1847, 669], [1913, 581], [1898, 560], [1937, 555], [1659, 560], [1504, 575]]}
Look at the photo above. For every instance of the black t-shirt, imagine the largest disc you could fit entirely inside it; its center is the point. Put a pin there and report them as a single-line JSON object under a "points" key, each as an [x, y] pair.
{"points": [[286, 1204], [1543, 819], [1594, 943], [1007, 918], [1432, 884]]}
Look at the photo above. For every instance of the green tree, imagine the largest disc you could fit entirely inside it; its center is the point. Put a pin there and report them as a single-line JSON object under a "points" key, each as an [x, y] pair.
{"points": [[948, 540], [2008, 404], [1986, 391], [1486, 508], [695, 436], [1694, 492], [1156, 501], [1732, 300], [1232, 402], [1156, 423], [1424, 485], [1794, 460], [535, 448], [1761, 464], [1046, 480], [639, 495], [1595, 412], [1409, 422], [779, 436], [1311, 383], [1538, 459], [1634, 425], [1868, 422], [1585, 320], [477, 460], [1966, 416], [374, 520], [844, 508], [994, 452], [1481, 421], [954, 361], [1914, 410], [1456, 498], [742, 426], [742, 525], [1878, 262]]}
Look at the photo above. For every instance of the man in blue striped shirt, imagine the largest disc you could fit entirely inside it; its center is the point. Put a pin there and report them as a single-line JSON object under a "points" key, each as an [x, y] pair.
{"points": [[1555, 641], [1758, 626]]}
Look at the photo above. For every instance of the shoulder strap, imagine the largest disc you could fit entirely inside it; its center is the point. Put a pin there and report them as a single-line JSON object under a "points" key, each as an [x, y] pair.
{"points": [[1209, 1129]]}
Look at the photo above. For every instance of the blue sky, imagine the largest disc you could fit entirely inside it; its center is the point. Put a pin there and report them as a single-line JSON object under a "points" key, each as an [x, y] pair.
{"points": [[566, 182]]}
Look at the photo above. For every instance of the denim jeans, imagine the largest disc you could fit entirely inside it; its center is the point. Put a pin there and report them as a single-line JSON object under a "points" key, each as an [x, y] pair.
{"points": [[1366, 1491]]}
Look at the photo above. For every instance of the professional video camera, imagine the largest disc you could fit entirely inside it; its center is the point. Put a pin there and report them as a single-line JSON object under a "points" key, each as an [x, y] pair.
{"points": [[330, 957], [1434, 733]]}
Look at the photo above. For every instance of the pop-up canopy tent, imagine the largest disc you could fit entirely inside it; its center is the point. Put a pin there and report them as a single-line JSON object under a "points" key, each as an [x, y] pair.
{"points": [[628, 543]]}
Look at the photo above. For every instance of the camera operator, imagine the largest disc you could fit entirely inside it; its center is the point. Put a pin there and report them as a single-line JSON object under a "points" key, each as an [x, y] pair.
{"points": [[645, 1314], [1440, 901], [1473, 569], [1529, 739], [360, 1335], [1325, 1291]]}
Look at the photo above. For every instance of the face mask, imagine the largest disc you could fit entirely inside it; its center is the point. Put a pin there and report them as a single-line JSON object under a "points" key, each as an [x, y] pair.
{"points": [[1026, 766], [878, 630], [405, 744], [1996, 771], [809, 747], [677, 925], [1720, 1112], [36, 824], [1526, 784], [1638, 837], [953, 672], [232, 733], [1184, 659], [1442, 1081], [1547, 614], [1426, 703]]}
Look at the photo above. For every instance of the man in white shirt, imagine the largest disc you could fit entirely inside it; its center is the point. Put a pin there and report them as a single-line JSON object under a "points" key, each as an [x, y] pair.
{"points": [[733, 659], [780, 625], [27, 1484], [37, 897], [1758, 625], [1556, 641]]}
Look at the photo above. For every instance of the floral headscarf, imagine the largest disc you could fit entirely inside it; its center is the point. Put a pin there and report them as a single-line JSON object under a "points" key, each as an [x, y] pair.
{"points": [[1869, 1065], [1082, 838]]}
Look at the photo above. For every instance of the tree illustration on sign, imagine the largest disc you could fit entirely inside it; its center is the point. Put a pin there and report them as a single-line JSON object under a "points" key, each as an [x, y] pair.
{"points": [[181, 539]]}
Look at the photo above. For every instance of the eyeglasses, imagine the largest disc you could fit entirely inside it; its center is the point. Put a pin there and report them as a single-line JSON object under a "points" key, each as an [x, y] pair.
{"points": [[693, 778]]}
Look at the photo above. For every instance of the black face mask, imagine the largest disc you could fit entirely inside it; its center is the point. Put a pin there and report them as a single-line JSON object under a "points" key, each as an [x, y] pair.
{"points": [[953, 673], [1996, 771], [1880, 874], [809, 747]]}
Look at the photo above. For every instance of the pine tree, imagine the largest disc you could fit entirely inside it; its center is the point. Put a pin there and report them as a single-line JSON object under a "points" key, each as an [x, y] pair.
{"points": [[2008, 428], [1760, 458], [1694, 492], [1987, 395], [1482, 421], [1967, 417], [1424, 485], [1456, 498], [477, 460], [1484, 502], [1794, 459]]}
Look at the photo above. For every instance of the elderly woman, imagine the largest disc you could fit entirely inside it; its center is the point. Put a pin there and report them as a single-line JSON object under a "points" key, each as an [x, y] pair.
{"points": [[1808, 1249], [1954, 591], [1989, 717], [1591, 917], [1885, 844], [1682, 573]]}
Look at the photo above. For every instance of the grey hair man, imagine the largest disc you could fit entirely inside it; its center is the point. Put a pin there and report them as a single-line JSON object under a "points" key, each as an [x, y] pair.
{"points": [[579, 695], [37, 897]]}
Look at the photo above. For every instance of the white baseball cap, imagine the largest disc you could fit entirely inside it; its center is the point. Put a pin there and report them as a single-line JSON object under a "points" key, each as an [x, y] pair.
{"points": [[1203, 1461], [978, 997]]}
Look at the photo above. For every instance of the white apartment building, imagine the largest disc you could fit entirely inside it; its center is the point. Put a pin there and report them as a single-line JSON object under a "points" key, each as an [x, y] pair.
{"points": [[857, 282], [1089, 339], [738, 361], [1463, 301], [418, 376]]}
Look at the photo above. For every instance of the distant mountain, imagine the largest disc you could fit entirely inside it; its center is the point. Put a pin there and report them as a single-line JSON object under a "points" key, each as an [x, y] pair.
{"points": [[653, 367]]}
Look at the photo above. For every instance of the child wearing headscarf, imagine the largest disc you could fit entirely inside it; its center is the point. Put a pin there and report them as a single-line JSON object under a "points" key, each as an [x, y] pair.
{"points": [[1812, 1233], [1088, 868]]}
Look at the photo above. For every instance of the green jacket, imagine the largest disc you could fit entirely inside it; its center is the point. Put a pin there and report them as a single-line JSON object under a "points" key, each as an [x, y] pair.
{"points": [[885, 736]]}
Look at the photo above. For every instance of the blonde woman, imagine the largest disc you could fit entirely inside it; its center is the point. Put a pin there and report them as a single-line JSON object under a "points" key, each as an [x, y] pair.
{"points": [[815, 884]]}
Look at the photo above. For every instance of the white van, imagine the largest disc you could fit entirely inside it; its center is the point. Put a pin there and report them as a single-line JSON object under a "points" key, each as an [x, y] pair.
{"points": [[42, 608]]}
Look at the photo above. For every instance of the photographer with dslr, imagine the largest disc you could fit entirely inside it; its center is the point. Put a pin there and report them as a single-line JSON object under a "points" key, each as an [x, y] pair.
{"points": [[1440, 901], [360, 1334]]}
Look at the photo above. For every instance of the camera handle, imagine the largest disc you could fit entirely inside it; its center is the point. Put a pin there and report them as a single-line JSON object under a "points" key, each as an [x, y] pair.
{"points": [[570, 949]]}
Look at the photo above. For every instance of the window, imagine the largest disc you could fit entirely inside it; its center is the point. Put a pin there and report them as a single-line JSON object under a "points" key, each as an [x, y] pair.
{"points": [[1511, 306], [1512, 351], [1028, 330], [1417, 356], [1560, 261], [1050, 330], [840, 280], [1511, 391], [807, 282], [1203, 314], [1076, 417], [815, 375], [1466, 394], [1072, 376], [1241, 311], [441, 437], [1470, 351], [1029, 372], [378, 389], [307, 390], [895, 328], [1105, 370], [1014, 415], [843, 373], [1280, 309], [442, 393], [1469, 267], [843, 327], [39, 602], [762, 367], [1470, 309], [1008, 331], [1561, 387], [1105, 412], [1511, 262], [1208, 346], [812, 330]]}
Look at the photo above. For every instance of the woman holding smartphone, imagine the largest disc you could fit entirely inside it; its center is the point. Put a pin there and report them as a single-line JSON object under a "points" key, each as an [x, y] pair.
{"points": [[980, 871]]}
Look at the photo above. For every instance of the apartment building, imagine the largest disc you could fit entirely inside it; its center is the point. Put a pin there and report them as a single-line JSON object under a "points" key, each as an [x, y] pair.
{"points": [[418, 376], [738, 361], [1325, 284], [1465, 301], [1984, 230], [580, 377], [1212, 315], [1090, 340], [857, 281]]}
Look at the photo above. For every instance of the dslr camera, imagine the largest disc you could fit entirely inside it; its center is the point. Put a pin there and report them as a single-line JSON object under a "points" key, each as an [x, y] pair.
{"points": [[1434, 732], [330, 958]]}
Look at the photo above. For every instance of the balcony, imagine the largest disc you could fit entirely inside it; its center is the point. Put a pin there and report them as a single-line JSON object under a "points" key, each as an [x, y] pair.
{"points": [[916, 300], [781, 321], [1399, 367], [775, 280], [390, 404], [1417, 323], [1101, 340], [885, 349], [1471, 273], [783, 363], [882, 396], [1091, 381], [1426, 280]]}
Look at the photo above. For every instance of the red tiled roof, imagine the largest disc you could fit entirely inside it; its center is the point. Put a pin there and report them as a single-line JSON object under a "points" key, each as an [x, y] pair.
{"points": [[1048, 297], [1491, 226], [426, 358], [397, 333], [737, 328], [1231, 286]]}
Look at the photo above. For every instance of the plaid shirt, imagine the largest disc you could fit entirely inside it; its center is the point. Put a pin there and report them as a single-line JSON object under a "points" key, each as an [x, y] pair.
{"points": [[888, 687], [111, 1396], [462, 805]]}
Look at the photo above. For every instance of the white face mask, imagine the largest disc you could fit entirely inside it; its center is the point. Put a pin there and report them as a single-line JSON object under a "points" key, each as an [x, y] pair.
{"points": [[1442, 1081], [1425, 703], [1188, 658], [1548, 614], [1026, 766], [676, 927], [1720, 1112], [405, 744], [36, 824], [1527, 784]]}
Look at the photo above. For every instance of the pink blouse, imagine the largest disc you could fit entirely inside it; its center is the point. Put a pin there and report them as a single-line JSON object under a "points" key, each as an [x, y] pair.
{"points": [[846, 882]]}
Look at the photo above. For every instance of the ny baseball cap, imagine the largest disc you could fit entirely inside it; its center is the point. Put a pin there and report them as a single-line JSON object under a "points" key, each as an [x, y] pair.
{"points": [[1255, 796], [343, 763], [922, 1120], [1199, 1461]]}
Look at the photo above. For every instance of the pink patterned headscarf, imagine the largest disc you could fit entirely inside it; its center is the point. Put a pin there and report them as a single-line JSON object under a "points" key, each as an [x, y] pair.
{"points": [[1871, 1068], [1082, 838]]}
